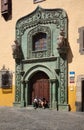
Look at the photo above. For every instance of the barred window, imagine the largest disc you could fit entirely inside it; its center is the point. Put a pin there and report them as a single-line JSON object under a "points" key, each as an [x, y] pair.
{"points": [[39, 42], [5, 78]]}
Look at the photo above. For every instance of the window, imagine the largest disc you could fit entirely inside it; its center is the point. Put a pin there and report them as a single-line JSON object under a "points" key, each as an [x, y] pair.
{"points": [[5, 78], [81, 40], [39, 42], [6, 8]]}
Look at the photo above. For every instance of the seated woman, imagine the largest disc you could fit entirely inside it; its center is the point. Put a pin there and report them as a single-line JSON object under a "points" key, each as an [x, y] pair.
{"points": [[44, 103]]}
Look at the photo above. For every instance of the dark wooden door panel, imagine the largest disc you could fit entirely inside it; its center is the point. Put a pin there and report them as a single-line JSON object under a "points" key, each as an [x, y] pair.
{"points": [[46, 89], [40, 86]]}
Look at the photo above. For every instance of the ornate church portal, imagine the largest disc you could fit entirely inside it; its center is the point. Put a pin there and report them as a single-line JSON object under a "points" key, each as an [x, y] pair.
{"points": [[40, 54]]}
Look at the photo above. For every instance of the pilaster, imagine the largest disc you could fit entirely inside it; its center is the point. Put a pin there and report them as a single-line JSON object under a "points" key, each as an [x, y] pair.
{"points": [[22, 94], [53, 94]]}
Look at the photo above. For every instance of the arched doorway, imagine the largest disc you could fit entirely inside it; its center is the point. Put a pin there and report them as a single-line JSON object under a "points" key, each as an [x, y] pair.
{"points": [[38, 86]]}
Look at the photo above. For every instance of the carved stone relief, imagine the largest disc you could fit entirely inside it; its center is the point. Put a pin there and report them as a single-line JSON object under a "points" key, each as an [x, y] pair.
{"points": [[42, 17], [41, 20], [63, 68], [18, 83]]}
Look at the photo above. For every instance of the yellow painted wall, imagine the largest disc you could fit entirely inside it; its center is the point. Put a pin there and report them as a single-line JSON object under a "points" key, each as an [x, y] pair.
{"points": [[75, 13], [72, 97], [6, 97]]}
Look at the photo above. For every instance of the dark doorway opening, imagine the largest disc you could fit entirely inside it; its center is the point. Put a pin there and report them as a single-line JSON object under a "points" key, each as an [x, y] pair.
{"points": [[38, 87], [83, 95]]}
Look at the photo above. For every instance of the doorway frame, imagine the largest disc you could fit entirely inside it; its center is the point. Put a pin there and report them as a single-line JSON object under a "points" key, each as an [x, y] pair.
{"points": [[78, 103], [52, 80], [30, 85]]}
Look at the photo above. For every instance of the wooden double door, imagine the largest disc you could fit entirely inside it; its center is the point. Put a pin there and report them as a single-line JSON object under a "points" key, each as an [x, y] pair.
{"points": [[39, 86]]}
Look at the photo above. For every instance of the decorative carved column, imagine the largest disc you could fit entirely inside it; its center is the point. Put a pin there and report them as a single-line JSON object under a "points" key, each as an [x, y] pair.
{"points": [[63, 84], [53, 94], [23, 94], [63, 51], [50, 94], [18, 85], [26, 92]]}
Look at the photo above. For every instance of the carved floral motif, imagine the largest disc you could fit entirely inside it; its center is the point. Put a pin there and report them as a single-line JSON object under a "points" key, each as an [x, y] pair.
{"points": [[63, 67], [42, 16]]}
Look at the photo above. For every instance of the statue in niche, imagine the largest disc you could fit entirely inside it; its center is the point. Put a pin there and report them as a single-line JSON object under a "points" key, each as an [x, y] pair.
{"points": [[16, 48], [62, 43], [61, 40]]}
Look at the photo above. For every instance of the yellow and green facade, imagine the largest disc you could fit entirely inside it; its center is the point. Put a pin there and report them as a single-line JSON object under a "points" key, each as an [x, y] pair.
{"points": [[47, 58]]}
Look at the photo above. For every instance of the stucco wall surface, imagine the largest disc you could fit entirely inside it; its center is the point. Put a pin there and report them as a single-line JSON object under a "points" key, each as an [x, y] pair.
{"points": [[75, 13]]}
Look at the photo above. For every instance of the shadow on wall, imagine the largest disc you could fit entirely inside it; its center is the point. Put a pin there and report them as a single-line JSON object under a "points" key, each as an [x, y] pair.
{"points": [[70, 55], [78, 106]]}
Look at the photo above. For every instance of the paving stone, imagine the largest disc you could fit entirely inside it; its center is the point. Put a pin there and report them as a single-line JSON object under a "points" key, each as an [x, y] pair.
{"points": [[12, 118]]}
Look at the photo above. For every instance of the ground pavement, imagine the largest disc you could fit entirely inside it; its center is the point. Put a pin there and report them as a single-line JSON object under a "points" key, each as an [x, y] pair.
{"points": [[12, 118]]}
